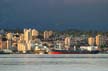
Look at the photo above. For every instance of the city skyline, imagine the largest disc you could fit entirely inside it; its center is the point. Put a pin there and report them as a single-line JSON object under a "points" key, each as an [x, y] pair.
{"points": [[34, 41], [54, 14]]}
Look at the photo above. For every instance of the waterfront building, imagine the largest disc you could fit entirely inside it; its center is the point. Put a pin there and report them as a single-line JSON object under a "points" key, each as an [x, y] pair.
{"points": [[15, 37], [3, 43], [59, 44], [35, 32], [50, 33], [9, 44], [21, 36], [29, 45], [22, 47], [99, 40], [91, 41], [14, 44], [67, 42], [47, 34], [89, 48], [9, 36], [27, 35]]}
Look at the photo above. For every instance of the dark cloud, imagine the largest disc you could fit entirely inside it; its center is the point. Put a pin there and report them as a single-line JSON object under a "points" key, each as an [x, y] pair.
{"points": [[54, 14]]}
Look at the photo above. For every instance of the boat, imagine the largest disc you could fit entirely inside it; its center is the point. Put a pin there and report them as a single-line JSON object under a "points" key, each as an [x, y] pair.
{"points": [[72, 52], [5, 51]]}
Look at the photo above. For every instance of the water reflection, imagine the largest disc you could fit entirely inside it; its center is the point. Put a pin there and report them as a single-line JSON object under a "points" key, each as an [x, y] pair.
{"points": [[53, 62]]}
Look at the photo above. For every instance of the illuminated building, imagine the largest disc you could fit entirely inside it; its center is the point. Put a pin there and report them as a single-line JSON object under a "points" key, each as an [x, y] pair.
{"points": [[99, 40], [91, 41], [67, 42], [27, 35], [35, 32], [22, 47], [47, 34], [9, 36]]}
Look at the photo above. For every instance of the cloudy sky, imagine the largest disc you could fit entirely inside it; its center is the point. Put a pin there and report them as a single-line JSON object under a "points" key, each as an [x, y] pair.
{"points": [[54, 14]]}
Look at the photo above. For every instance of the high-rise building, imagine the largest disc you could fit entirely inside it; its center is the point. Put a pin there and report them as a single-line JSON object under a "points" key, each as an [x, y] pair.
{"points": [[21, 36], [28, 38], [48, 34], [67, 42], [22, 47], [99, 40], [91, 41], [3, 43], [9, 44], [27, 35], [29, 44], [35, 32], [9, 36]]}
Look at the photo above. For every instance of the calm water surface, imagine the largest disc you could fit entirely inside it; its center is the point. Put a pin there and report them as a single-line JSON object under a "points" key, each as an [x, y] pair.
{"points": [[32, 62]]}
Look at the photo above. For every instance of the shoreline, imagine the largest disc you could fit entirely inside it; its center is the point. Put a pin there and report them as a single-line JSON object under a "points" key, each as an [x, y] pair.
{"points": [[54, 56]]}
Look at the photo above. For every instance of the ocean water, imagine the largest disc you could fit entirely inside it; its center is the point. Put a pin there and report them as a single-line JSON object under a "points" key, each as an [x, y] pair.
{"points": [[73, 62]]}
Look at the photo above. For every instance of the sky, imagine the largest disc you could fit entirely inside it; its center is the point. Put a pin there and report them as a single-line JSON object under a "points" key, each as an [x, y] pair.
{"points": [[54, 14]]}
